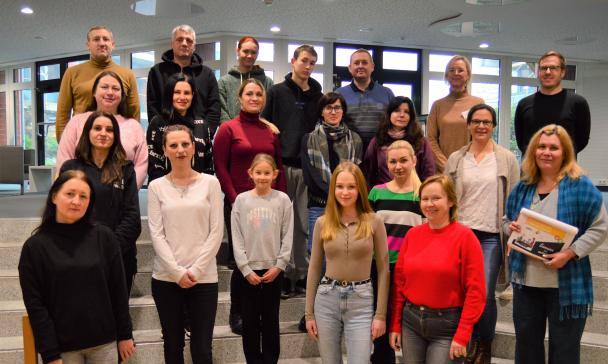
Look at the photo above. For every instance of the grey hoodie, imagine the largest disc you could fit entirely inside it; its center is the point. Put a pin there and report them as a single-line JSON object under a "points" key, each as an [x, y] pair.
{"points": [[229, 86]]}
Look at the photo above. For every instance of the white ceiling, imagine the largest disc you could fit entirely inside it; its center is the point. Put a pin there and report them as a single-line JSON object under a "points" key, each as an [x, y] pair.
{"points": [[529, 28]]}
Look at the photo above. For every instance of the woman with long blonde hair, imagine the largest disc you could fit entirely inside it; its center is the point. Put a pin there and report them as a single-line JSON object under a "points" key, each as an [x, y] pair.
{"points": [[347, 237]]}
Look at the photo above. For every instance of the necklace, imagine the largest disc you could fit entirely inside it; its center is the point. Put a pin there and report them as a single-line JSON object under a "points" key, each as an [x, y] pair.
{"points": [[181, 190]]}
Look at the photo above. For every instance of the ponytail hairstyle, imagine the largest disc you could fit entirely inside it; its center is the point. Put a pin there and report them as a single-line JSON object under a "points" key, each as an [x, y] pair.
{"points": [[402, 144]]}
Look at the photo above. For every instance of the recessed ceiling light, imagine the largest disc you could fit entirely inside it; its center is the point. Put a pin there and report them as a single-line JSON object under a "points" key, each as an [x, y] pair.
{"points": [[275, 29], [494, 2], [366, 30], [27, 10], [484, 45]]}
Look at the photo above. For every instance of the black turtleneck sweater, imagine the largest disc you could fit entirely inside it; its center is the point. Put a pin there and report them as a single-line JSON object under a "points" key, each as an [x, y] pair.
{"points": [[74, 288], [157, 166]]}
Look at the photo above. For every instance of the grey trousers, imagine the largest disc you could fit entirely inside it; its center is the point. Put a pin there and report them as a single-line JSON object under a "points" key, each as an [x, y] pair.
{"points": [[297, 192]]}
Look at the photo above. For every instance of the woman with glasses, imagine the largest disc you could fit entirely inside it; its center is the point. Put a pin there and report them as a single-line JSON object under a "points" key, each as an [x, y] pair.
{"points": [[446, 125], [484, 173], [246, 54], [322, 150], [399, 123], [558, 288]]}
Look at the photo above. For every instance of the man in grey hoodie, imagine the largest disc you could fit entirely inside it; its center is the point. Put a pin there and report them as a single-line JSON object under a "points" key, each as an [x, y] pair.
{"points": [[247, 53]]}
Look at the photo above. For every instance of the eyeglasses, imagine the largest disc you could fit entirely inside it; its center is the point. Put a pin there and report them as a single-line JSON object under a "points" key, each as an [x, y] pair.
{"points": [[336, 109], [487, 123], [550, 68]]}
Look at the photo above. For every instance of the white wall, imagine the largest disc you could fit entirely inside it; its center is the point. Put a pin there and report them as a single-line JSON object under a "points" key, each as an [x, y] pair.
{"points": [[594, 87]]}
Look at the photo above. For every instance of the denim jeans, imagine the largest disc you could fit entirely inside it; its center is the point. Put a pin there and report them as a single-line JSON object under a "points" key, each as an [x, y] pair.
{"points": [[101, 354], [313, 215], [426, 334], [344, 311], [261, 319], [201, 303], [532, 307], [492, 259]]}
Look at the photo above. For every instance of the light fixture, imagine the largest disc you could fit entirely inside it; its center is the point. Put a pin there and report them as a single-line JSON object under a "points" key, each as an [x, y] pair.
{"points": [[366, 30], [275, 29], [484, 45], [27, 10]]}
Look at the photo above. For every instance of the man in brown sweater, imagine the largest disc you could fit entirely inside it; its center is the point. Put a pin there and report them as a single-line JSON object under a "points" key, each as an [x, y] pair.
{"points": [[75, 92]]}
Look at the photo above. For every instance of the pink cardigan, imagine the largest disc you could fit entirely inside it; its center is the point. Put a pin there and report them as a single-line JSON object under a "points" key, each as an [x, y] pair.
{"points": [[132, 138]]}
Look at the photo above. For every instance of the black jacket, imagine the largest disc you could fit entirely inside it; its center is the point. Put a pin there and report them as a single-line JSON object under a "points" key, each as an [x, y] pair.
{"points": [[207, 105], [295, 112], [158, 166], [116, 206], [74, 288]]}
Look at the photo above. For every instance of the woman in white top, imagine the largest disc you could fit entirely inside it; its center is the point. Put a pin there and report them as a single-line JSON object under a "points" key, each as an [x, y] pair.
{"points": [[185, 215], [484, 173]]}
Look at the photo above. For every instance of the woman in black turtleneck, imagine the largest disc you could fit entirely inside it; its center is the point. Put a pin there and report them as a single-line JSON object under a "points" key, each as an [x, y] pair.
{"points": [[236, 143], [177, 107], [100, 155], [73, 282]]}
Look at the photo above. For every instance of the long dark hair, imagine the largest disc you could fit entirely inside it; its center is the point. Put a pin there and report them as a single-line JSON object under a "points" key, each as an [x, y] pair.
{"points": [[111, 171], [167, 110], [413, 132], [122, 106], [49, 215]]}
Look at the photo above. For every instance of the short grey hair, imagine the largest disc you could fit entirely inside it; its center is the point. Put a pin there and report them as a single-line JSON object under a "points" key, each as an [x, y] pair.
{"points": [[184, 28]]}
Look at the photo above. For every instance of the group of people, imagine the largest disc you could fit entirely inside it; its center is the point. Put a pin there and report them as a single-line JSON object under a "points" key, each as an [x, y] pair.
{"points": [[397, 239]]}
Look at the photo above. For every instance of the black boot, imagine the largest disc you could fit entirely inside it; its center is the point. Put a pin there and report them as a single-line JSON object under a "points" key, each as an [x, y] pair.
{"points": [[236, 323]]}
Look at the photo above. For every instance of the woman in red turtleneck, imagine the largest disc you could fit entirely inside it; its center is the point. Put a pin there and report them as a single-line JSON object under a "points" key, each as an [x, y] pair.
{"points": [[236, 144]]}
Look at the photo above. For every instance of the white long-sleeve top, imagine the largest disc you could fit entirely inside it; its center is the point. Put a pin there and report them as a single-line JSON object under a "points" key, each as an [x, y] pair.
{"points": [[186, 226]]}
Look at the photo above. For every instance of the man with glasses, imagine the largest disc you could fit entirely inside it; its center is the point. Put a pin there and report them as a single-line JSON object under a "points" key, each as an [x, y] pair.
{"points": [[552, 104], [181, 58], [366, 99], [77, 82]]}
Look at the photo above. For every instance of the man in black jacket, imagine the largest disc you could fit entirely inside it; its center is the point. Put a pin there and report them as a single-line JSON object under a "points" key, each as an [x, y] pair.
{"points": [[181, 58], [293, 106]]}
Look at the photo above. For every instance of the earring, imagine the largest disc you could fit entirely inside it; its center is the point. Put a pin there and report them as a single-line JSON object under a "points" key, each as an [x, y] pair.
{"points": [[166, 168], [192, 160]]}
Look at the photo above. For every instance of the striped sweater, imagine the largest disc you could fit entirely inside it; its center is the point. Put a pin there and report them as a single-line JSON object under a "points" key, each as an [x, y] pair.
{"points": [[400, 212]]}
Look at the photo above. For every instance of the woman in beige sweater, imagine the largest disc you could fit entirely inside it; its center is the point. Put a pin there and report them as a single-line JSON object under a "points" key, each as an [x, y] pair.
{"points": [[341, 304], [447, 126]]}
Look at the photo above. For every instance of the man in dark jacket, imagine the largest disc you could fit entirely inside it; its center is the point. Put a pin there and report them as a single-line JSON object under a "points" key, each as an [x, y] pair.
{"points": [[181, 58], [293, 106]]}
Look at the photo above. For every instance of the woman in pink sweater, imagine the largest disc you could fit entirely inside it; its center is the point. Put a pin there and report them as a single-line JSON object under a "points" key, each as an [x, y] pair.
{"points": [[438, 289], [108, 96]]}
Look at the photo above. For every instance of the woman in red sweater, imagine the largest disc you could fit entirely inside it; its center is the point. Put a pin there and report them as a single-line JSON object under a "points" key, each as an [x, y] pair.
{"points": [[236, 143], [438, 289]]}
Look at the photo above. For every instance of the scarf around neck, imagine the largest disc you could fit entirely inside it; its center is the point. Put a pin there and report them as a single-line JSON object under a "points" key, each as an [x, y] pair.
{"points": [[344, 145]]}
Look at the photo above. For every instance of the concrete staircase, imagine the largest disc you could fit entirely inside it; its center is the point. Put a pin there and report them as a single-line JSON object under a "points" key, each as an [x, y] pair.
{"points": [[295, 346]]}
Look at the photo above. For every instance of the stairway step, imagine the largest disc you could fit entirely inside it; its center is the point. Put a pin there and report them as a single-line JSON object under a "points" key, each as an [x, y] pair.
{"points": [[227, 347], [144, 314], [596, 323], [594, 347], [11, 290]]}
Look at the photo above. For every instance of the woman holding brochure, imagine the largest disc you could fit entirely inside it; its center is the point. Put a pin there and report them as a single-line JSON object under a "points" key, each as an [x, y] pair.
{"points": [[558, 288]]}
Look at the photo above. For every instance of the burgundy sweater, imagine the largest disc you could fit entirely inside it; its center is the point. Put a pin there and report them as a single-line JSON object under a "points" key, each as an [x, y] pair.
{"points": [[236, 144], [440, 268]]}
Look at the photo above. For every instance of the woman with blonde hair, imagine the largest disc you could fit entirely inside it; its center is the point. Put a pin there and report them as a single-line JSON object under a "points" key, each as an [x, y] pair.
{"points": [[446, 125], [438, 292], [558, 288], [397, 202], [341, 304], [236, 144]]}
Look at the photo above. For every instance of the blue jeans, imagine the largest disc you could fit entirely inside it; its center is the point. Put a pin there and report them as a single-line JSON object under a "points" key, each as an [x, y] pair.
{"points": [[532, 307], [344, 311], [426, 334], [492, 259], [313, 215]]}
